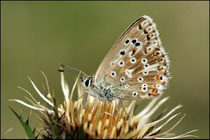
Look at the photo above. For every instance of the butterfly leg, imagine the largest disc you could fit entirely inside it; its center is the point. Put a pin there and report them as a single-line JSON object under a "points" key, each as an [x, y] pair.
{"points": [[113, 108], [124, 108], [84, 96], [108, 113]]}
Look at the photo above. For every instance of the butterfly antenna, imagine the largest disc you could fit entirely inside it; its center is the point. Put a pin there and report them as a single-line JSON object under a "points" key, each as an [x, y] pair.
{"points": [[116, 107], [71, 69], [124, 108]]}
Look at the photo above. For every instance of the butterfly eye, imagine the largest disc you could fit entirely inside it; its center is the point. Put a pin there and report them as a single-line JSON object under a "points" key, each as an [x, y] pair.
{"points": [[113, 74], [144, 60], [121, 63], [88, 81], [133, 60], [135, 94], [140, 79], [122, 79]]}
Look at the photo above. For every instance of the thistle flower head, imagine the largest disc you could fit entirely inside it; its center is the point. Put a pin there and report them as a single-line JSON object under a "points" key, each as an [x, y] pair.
{"points": [[89, 117]]}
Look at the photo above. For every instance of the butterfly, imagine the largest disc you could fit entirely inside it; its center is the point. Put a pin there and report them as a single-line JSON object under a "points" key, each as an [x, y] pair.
{"points": [[136, 67]]}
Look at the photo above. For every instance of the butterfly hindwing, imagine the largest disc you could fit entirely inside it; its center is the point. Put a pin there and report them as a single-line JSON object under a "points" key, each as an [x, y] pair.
{"points": [[137, 65]]}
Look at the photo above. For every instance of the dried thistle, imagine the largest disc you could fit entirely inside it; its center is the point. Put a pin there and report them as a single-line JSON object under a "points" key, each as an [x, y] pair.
{"points": [[92, 118]]}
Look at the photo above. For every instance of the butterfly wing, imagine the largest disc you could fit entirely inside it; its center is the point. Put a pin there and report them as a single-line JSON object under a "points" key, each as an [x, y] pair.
{"points": [[137, 65]]}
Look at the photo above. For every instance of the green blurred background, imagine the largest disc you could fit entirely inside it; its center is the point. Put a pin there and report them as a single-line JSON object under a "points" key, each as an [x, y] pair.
{"points": [[41, 35]]}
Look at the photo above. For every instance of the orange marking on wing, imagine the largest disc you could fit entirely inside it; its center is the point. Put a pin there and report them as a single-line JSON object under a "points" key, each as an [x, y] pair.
{"points": [[134, 51], [158, 78], [159, 68], [154, 93], [145, 50]]}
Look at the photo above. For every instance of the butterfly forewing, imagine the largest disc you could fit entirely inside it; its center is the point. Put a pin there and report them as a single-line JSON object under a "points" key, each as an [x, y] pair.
{"points": [[137, 65]]}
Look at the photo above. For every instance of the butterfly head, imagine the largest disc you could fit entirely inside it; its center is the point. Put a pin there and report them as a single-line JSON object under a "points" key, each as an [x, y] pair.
{"points": [[97, 91]]}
